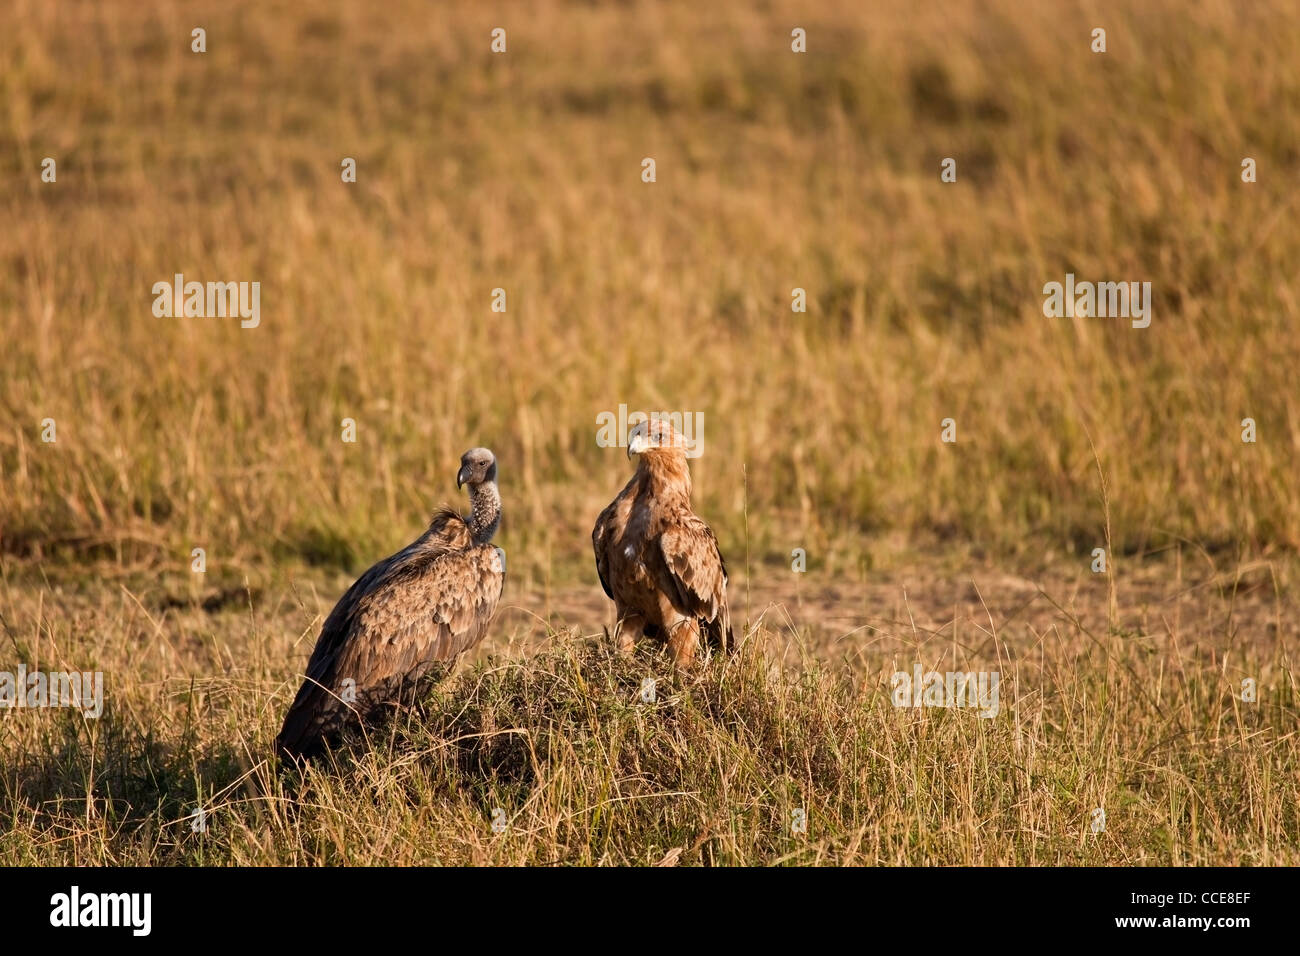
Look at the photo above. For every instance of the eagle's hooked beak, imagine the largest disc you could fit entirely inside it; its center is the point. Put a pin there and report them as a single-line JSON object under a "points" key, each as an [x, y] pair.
{"points": [[635, 445]]}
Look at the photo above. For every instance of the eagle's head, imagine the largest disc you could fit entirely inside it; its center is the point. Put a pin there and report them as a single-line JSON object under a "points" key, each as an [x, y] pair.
{"points": [[655, 437], [477, 466]]}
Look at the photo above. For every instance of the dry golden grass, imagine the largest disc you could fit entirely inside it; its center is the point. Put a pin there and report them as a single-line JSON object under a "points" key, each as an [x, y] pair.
{"points": [[1144, 722], [821, 430]]}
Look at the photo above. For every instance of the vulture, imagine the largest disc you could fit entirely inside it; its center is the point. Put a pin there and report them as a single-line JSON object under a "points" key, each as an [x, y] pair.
{"points": [[404, 622], [656, 558]]}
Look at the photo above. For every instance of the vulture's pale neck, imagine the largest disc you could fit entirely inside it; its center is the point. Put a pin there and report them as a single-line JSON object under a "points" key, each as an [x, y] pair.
{"points": [[484, 511], [667, 475]]}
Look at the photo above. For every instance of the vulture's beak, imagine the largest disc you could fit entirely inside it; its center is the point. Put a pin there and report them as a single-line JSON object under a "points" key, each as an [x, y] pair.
{"points": [[462, 476]]}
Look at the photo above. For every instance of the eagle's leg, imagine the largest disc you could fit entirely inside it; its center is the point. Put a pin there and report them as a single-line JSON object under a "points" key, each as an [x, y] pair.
{"points": [[684, 643], [629, 626]]}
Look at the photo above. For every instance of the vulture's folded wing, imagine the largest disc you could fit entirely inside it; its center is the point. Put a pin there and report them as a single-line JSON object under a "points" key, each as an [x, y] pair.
{"points": [[406, 617], [434, 616]]}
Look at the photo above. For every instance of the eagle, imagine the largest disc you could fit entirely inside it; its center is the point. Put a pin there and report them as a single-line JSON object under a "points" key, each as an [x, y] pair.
{"points": [[656, 558], [404, 622]]}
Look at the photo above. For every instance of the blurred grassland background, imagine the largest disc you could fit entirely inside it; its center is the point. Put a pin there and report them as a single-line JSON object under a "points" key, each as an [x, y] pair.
{"points": [[522, 171]]}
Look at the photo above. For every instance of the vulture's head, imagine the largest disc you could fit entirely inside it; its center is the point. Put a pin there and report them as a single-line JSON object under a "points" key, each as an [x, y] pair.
{"points": [[655, 437], [477, 466]]}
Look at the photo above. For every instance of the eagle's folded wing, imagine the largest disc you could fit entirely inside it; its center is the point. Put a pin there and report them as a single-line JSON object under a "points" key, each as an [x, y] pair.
{"points": [[693, 569]]}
